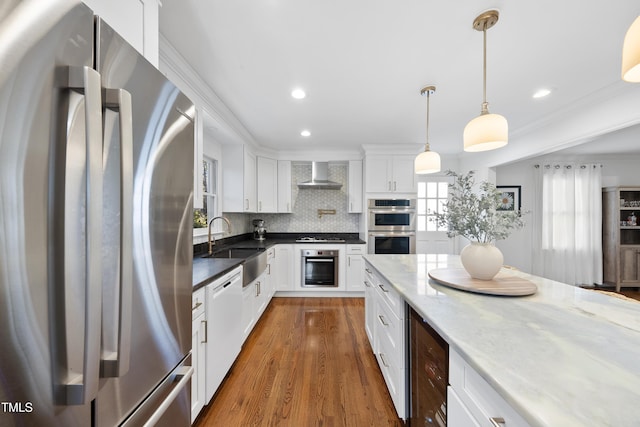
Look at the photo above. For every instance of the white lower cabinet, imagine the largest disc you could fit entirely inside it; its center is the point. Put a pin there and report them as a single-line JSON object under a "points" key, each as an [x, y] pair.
{"points": [[283, 268], [386, 328], [457, 414], [255, 299], [474, 398], [355, 268], [369, 305], [198, 352]]}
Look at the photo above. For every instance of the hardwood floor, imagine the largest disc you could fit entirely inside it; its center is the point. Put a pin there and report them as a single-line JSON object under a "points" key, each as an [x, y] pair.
{"points": [[307, 362]]}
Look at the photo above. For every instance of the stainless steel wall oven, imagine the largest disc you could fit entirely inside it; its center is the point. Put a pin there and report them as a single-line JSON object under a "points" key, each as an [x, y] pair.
{"points": [[392, 214], [392, 242], [319, 268], [392, 226]]}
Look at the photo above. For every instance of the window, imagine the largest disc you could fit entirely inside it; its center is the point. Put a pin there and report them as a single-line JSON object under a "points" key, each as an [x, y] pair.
{"points": [[431, 199], [201, 217]]}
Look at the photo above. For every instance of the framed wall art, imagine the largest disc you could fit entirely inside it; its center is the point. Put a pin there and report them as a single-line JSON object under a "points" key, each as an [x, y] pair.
{"points": [[510, 197]]}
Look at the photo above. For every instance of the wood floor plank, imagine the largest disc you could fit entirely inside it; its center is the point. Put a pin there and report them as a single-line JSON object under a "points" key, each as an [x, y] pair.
{"points": [[308, 362]]}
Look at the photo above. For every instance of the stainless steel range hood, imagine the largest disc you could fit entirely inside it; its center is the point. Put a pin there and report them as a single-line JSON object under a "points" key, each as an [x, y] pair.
{"points": [[319, 178]]}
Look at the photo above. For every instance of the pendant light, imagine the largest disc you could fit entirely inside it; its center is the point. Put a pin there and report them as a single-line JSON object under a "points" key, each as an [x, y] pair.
{"points": [[631, 53], [428, 161], [487, 131]]}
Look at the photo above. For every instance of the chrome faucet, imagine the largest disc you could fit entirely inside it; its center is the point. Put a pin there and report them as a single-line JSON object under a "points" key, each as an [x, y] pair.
{"points": [[211, 239]]}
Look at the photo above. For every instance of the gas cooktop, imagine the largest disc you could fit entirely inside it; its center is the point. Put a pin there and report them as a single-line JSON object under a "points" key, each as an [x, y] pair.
{"points": [[319, 240]]}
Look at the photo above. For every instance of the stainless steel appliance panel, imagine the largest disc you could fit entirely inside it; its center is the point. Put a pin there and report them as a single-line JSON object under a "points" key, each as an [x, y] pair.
{"points": [[49, 192], [320, 268], [392, 242], [161, 238], [391, 215]]}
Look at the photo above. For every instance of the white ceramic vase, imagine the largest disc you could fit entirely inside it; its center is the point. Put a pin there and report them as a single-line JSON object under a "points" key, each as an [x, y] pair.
{"points": [[481, 260]]}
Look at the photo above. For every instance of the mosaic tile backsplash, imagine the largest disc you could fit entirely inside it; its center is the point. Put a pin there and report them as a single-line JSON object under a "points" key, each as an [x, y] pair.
{"points": [[304, 216]]}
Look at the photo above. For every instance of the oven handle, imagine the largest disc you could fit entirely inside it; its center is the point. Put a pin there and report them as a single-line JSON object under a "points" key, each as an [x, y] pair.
{"points": [[393, 234], [320, 259], [392, 211]]}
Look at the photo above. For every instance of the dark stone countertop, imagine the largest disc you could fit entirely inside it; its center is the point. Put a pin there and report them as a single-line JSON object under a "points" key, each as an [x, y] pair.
{"points": [[205, 270]]}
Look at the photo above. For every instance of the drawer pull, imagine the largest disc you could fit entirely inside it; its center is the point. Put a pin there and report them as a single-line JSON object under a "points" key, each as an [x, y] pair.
{"points": [[383, 289], [382, 320], [367, 284], [367, 270], [206, 332], [195, 307], [497, 421], [384, 362]]}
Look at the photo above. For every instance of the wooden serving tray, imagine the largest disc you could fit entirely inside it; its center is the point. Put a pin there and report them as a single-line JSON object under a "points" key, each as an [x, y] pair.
{"points": [[502, 284]]}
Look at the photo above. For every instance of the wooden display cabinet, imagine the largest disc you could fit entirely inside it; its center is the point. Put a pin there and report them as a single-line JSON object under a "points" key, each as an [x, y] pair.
{"points": [[621, 236]]}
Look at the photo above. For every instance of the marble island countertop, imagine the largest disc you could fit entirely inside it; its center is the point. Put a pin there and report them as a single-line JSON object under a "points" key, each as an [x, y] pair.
{"points": [[564, 356]]}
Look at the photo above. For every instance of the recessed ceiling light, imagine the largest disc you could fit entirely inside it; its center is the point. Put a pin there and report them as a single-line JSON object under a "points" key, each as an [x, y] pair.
{"points": [[541, 93], [305, 133], [298, 94]]}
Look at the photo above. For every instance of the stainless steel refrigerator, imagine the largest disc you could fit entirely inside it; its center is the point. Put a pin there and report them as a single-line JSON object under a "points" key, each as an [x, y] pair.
{"points": [[96, 188]]}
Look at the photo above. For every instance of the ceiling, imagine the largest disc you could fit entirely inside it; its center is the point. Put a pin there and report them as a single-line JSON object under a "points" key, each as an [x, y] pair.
{"points": [[363, 63]]}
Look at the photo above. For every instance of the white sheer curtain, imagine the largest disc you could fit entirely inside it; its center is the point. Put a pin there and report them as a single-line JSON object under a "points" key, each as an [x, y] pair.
{"points": [[567, 220]]}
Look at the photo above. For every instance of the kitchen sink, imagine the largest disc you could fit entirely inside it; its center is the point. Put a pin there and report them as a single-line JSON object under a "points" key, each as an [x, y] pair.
{"points": [[255, 261], [235, 253]]}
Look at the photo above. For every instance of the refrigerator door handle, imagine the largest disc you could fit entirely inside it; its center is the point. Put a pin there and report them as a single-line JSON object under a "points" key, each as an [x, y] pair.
{"points": [[78, 204], [116, 350]]}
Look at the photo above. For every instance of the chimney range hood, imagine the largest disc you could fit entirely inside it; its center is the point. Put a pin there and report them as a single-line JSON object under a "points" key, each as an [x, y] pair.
{"points": [[319, 178]]}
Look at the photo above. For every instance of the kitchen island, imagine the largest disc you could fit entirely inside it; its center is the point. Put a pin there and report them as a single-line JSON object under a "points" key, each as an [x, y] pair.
{"points": [[564, 356]]}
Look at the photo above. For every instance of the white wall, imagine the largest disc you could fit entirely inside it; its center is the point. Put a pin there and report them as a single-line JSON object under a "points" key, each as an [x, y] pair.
{"points": [[616, 170]]}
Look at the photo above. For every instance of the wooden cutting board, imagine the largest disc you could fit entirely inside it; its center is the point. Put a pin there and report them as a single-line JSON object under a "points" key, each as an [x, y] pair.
{"points": [[502, 284]]}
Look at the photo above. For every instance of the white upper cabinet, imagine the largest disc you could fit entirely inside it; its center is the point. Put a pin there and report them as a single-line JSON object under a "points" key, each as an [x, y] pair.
{"points": [[355, 186], [267, 185], [238, 179], [390, 174], [284, 186], [137, 21]]}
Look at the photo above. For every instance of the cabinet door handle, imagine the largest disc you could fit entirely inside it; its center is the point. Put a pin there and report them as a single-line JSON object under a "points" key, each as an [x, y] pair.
{"points": [[206, 332], [384, 362], [269, 269], [383, 289], [349, 261], [367, 270], [195, 307], [497, 421], [389, 185], [381, 317], [394, 186], [366, 284]]}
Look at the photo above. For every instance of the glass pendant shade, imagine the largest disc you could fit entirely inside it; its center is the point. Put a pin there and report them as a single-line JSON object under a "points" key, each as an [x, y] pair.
{"points": [[486, 132], [427, 162], [631, 53]]}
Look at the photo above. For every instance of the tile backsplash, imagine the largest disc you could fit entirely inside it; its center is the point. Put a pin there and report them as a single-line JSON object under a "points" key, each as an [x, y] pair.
{"points": [[304, 216]]}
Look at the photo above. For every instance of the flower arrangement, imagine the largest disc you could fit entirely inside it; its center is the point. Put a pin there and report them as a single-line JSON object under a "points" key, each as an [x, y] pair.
{"points": [[476, 215]]}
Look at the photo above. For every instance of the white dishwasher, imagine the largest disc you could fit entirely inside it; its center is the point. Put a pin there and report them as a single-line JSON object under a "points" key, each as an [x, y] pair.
{"points": [[224, 327]]}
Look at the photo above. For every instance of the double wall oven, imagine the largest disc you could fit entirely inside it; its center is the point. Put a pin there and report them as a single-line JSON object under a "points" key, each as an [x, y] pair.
{"points": [[392, 226]]}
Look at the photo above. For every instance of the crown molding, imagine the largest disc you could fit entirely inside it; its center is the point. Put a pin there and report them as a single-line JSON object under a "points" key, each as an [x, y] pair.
{"points": [[217, 116]]}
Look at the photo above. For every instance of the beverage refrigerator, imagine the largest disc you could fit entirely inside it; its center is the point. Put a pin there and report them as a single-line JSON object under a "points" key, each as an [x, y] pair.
{"points": [[96, 188]]}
